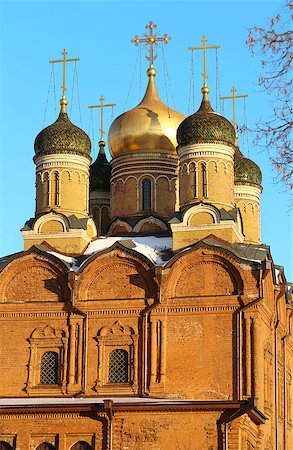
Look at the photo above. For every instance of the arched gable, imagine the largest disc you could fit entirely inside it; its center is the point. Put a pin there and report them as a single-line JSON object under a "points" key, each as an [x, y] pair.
{"points": [[116, 274], [33, 276], [203, 273]]}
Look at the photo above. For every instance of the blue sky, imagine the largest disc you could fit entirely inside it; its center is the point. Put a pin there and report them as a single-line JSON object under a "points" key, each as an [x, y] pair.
{"points": [[99, 33]]}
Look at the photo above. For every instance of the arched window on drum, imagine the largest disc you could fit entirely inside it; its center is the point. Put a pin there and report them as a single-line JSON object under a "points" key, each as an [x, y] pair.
{"points": [[146, 194]]}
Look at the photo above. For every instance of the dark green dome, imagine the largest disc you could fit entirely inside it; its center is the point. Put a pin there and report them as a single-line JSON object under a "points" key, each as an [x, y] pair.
{"points": [[205, 126], [100, 172], [62, 137], [245, 170]]}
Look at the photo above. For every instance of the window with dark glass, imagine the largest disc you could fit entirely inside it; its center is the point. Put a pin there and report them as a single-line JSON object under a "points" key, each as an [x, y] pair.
{"points": [[118, 366], [81, 445], [49, 368], [5, 446], [195, 182], [204, 180], [46, 446], [146, 194]]}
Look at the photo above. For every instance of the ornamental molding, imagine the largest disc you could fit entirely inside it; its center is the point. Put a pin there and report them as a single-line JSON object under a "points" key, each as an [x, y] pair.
{"points": [[152, 220], [224, 224], [62, 160], [32, 235], [102, 196], [195, 150], [81, 174], [144, 155], [248, 191], [142, 172], [201, 208], [192, 166], [34, 415], [144, 175], [48, 218]]}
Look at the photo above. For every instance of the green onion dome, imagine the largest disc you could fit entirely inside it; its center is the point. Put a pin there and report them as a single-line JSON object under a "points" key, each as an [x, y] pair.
{"points": [[206, 126], [245, 170], [62, 137], [100, 171]]}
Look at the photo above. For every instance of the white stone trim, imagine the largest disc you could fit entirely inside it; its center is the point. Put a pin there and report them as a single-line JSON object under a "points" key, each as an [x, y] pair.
{"points": [[150, 219], [206, 151], [246, 192], [200, 209], [224, 224], [62, 160], [121, 223], [47, 218]]}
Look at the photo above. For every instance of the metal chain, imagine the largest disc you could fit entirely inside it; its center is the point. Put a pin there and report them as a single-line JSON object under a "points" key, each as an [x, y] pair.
{"points": [[72, 91], [54, 85], [48, 94], [78, 99], [218, 90], [167, 74], [131, 81], [191, 85]]}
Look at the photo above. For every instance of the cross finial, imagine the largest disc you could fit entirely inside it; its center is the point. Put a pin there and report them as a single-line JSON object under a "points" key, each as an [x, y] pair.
{"points": [[233, 98], [64, 61], [204, 47], [102, 105], [152, 39]]}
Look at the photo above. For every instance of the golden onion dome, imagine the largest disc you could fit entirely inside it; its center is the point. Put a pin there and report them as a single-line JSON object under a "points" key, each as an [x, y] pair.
{"points": [[149, 127]]}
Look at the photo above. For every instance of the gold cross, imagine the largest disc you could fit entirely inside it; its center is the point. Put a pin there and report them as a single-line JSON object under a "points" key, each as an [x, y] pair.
{"points": [[64, 61], [233, 97], [151, 40], [102, 105], [204, 47]]}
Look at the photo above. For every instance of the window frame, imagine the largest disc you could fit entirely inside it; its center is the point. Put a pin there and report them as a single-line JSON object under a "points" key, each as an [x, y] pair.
{"points": [[143, 206], [117, 337], [43, 340]]}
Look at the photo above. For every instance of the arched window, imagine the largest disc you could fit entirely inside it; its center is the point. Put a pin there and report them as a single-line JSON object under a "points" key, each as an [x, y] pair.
{"points": [[46, 446], [81, 445], [56, 188], [195, 180], [146, 194], [204, 180], [5, 446], [49, 368], [118, 366]]}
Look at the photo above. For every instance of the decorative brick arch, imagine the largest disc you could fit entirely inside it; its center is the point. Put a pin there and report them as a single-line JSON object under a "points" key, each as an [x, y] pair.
{"points": [[201, 273], [114, 274], [34, 277]]}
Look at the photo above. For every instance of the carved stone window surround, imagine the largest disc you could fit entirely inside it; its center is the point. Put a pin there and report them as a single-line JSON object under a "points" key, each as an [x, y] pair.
{"points": [[46, 339], [115, 338]]}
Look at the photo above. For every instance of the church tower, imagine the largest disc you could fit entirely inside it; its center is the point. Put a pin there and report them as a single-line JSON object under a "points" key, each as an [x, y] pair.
{"points": [[142, 142], [100, 175], [247, 183], [206, 147], [62, 159]]}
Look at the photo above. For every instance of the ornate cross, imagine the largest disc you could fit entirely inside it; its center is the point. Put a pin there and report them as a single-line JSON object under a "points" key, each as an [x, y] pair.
{"points": [[151, 40], [102, 105], [233, 97], [204, 47], [64, 61]]}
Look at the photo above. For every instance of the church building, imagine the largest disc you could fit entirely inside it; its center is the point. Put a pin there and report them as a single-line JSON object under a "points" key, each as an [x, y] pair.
{"points": [[144, 312]]}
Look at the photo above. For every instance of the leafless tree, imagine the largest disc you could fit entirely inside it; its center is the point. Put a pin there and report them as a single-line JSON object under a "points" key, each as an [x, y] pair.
{"points": [[274, 45]]}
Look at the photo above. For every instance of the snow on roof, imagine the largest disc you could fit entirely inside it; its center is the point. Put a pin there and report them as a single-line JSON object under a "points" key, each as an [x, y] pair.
{"points": [[149, 246]]}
